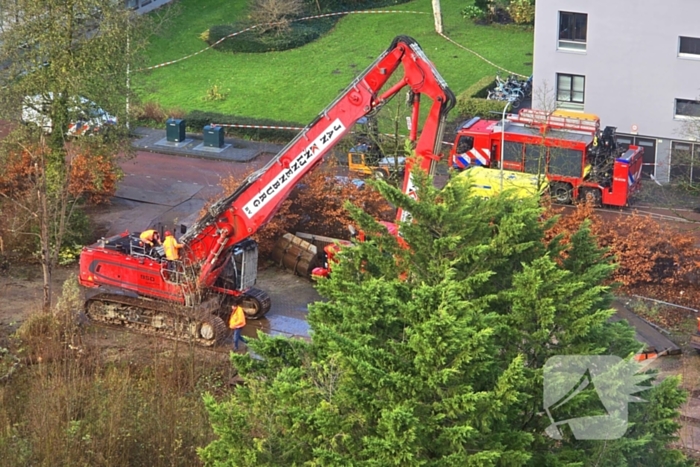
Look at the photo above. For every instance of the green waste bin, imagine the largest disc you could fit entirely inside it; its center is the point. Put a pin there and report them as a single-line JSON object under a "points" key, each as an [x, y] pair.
{"points": [[175, 130], [213, 136]]}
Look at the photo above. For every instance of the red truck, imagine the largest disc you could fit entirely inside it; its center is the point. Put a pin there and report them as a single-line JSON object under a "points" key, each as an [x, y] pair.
{"points": [[579, 160]]}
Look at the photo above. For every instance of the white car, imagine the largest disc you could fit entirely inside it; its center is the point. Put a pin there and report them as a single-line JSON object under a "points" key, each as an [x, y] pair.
{"points": [[92, 118]]}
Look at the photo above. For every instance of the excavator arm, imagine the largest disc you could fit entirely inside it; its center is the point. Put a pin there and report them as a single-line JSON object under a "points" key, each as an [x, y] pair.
{"points": [[240, 215]]}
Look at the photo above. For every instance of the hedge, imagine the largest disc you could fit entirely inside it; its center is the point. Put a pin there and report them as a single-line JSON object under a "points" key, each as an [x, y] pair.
{"points": [[480, 88], [196, 120], [349, 5], [473, 103], [300, 33]]}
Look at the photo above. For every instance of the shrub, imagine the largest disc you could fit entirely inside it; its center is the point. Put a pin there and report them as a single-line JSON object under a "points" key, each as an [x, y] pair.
{"points": [[474, 107], [176, 112], [216, 93], [473, 12], [93, 176], [152, 111], [480, 88], [472, 103], [318, 6], [522, 11], [88, 409], [290, 33], [275, 15], [652, 258], [316, 206], [488, 11]]}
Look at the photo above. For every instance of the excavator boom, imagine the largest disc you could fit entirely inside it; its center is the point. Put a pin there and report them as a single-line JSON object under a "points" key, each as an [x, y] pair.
{"points": [[241, 214], [219, 263]]}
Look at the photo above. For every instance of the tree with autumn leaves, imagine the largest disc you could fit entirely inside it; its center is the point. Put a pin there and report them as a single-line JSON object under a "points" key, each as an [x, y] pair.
{"points": [[40, 217], [433, 355], [67, 59], [653, 259], [316, 205]]}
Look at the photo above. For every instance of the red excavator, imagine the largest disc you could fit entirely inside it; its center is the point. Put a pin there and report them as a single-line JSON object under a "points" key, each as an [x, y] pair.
{"points": [[191, 299]]}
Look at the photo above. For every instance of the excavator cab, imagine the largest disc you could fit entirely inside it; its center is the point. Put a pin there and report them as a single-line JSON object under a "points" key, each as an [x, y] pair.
{"points": [[241, 270]]}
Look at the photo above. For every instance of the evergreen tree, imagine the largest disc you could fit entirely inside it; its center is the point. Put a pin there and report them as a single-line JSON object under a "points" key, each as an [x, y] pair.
{"points": [[432, 353]]}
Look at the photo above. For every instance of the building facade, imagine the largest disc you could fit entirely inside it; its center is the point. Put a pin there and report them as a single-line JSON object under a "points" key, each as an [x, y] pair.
{"points": [[635, 64], [144, 6]]}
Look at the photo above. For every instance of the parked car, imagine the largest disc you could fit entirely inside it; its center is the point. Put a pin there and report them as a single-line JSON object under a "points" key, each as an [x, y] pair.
{"points": [[91, 118]]}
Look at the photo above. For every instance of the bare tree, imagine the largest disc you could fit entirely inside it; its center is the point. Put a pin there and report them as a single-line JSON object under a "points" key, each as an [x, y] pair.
{"points": [[275, 15], [60, 57], [685, 161]]}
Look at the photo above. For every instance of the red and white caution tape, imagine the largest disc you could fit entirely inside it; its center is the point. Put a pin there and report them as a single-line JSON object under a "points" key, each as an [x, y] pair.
{"points": [[293, 128], [263, 127], [326, 15], [481, 57]]}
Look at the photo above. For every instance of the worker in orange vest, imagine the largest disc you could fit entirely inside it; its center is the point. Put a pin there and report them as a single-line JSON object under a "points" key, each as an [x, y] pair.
{"points": [[237, 323]]}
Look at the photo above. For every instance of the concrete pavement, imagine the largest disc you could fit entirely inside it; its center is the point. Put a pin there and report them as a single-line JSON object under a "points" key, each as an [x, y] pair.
{"points": [[235, 149]]}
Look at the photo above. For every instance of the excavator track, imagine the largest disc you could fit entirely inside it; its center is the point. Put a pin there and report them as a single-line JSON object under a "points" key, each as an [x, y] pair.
{"points": [[159, 319], [255, 303]]}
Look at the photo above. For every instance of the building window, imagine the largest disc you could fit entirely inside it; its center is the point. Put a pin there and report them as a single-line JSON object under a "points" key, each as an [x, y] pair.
{"points": [[131, 4], [572, 30], [570, 88], [689, 46], [685, 163], [687, 108]]}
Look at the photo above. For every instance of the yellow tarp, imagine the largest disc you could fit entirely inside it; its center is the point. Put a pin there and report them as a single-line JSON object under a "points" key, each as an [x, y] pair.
{"points": [[486, 182]]}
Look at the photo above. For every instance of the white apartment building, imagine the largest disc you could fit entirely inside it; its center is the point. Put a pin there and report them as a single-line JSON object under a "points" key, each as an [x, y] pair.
{"points": [[144, 6], [635, 64]]}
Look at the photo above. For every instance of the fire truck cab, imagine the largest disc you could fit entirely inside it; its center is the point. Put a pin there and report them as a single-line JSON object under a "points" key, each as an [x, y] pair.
{"points": [[579, 161]]}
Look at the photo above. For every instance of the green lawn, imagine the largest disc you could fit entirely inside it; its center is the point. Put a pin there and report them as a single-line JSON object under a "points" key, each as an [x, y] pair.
{"points": [[296, 85]]}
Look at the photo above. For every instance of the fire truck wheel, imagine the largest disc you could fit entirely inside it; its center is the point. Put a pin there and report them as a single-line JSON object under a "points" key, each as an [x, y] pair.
{"points": [[561, 192], [379, 174], [591, 196]]}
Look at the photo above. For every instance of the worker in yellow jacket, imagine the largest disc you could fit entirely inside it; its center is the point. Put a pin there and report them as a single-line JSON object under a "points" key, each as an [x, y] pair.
{"points": [[150, 239], [172, 253], [237, 323], [171, 247]]}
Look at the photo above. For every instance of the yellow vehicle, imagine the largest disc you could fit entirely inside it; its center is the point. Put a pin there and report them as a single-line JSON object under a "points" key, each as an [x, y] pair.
{"points": [[363, 161], [486, 182]]}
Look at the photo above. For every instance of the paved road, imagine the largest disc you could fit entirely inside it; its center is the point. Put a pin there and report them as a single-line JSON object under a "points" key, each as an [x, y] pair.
{"points": [[167, 189]]}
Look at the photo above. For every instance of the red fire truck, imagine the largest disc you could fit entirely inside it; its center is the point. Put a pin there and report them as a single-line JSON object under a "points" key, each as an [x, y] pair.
{"points": [[579, 161]]}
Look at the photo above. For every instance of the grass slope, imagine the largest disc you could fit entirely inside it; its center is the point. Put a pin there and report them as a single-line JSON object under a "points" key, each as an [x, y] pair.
{"points": [[295, 85]]}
